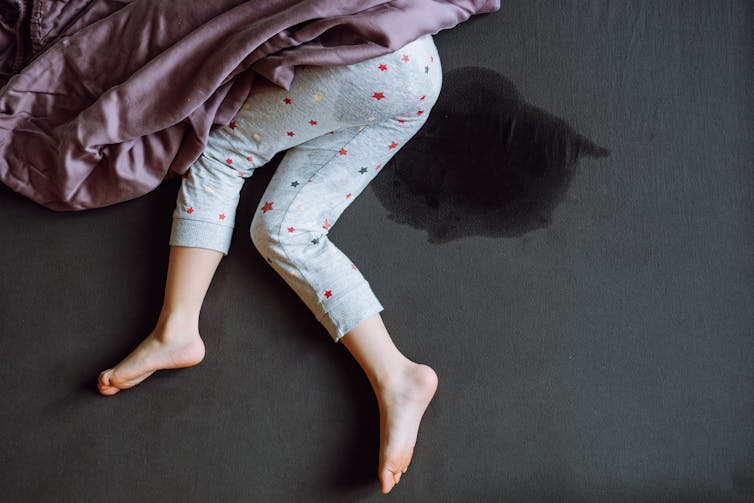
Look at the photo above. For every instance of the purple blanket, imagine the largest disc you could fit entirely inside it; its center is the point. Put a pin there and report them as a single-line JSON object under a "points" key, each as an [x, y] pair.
{"points": [[101, 98]]}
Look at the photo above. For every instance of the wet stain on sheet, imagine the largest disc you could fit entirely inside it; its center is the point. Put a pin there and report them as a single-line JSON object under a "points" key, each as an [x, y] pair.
{"points": [[485, 163]]}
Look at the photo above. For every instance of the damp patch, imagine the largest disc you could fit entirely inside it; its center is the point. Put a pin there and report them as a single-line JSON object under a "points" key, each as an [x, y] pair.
{"points": [[485, 163]]}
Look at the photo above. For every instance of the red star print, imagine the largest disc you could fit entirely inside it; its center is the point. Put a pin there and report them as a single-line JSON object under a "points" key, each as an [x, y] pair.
{"points": [[229, 160], [401, 121], [419, 112], [232, 125], [291, 229], [331, 132], [189, 210], [348, 195], [267, 207], [405, 58], [313, 122], [343, 151], [221, 216], [353, 267], [327, 225], [186, 174], [328, 293], [432, 59], [378, 166], [422, 97], [240, 173], [291, 133], [382, 67], [378, 96], [392, 145], [287, 101]]}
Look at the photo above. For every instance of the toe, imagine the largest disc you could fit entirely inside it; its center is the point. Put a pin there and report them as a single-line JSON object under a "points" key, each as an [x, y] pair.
{"points": [[104, 384], [104, 377], [108, 390], [387, 480], [392, 470]]}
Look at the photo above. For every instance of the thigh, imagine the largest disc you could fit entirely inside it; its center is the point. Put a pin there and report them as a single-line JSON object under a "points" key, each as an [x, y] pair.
{"points": [[317, 180]]}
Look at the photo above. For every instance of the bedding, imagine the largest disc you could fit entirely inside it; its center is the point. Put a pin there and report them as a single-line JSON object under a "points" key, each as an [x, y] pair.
{"points": [[102, 98]]}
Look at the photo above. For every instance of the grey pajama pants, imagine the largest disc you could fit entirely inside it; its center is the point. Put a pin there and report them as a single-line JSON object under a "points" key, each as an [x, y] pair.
{"points": [[339, 125]]}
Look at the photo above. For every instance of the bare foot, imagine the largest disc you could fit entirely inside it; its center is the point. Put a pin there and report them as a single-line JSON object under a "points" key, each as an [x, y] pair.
{"points": [[171, 345], [402, 402]]}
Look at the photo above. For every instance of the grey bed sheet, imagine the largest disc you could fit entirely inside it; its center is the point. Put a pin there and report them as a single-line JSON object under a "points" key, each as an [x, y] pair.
{"points": [[595, 347]]}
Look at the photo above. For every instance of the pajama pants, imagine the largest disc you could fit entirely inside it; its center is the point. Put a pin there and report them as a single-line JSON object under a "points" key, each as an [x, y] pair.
{"points": [[340, 125]]}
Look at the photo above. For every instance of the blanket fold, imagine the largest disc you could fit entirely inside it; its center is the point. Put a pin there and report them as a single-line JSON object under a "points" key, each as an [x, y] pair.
{"points": [[101, 98]]}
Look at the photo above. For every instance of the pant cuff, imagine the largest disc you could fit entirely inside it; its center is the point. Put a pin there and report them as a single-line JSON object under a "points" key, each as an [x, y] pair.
{"points": [[353, 307], [200, 234]]}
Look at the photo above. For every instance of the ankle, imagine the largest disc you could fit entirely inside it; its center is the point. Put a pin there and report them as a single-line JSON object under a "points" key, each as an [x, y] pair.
{"points": [[175, 324], [392, 374], [410, 376]]}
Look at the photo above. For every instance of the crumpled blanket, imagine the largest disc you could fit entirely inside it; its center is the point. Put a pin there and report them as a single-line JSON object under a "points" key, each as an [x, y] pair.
{"points": [[101, 98]]}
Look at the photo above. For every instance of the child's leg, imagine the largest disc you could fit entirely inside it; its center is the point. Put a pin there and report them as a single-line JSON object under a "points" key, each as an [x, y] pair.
{"points": [[403, 389], [312, 186], [203, 222], [175, 341], [290, 228]]}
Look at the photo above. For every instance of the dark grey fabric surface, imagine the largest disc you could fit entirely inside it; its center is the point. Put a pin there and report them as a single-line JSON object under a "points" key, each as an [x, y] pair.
{"points": [[605, 356]]}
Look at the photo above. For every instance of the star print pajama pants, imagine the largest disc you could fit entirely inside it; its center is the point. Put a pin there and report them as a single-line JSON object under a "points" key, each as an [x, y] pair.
{"points": [[340, 125]]}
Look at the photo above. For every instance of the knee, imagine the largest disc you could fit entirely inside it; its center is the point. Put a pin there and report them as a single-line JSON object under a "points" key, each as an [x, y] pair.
{"points": [[262, 232], [275, 236], [270, 235]]}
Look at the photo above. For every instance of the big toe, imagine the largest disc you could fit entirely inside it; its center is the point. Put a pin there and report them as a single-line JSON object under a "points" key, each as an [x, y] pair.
{"points": [[387, 480], [104, 383], [391, 471]]}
